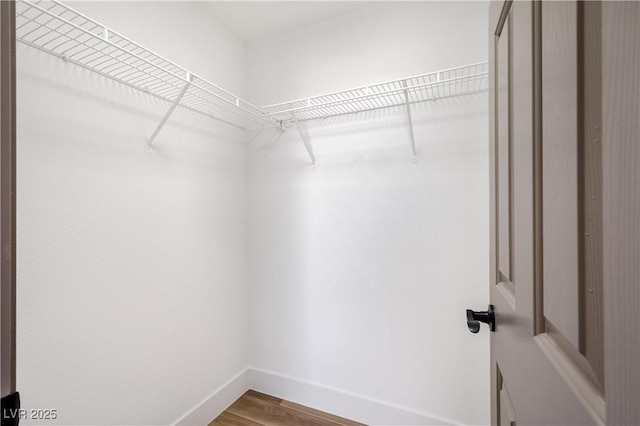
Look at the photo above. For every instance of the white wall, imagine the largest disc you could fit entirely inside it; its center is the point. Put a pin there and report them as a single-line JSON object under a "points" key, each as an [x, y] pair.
{"points": [[382, 42], [361, 267], [131, 267]]}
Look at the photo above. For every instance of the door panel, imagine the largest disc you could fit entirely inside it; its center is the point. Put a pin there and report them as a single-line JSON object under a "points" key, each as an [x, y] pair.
{"points": [[523, 155], [507, 412], [538, 168], [514, 144], [560, 168], [504, 154], [590, 196]]}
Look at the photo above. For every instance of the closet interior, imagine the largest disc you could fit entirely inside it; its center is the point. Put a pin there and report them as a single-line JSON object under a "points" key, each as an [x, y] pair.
{"points": [[288, 248]]}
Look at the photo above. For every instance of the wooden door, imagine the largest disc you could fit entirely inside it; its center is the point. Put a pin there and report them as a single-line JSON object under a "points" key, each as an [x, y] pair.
{"points": [[565, 200], [550, 244]]}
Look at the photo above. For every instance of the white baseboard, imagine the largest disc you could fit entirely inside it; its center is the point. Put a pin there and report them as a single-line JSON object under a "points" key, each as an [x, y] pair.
{"points": [[217, 402], [340, 403], [349, 405]]}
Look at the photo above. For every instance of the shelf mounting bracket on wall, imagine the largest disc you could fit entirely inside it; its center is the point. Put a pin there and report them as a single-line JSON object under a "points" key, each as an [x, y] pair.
{"points": [[411, 135], [305, 138], [173, 106]]}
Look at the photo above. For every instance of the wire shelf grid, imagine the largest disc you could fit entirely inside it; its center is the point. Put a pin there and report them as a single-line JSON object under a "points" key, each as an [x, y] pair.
{"points": [[447, 83], [55, 28]]}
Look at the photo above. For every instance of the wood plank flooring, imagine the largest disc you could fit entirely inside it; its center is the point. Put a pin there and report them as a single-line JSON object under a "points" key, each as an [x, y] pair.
{"points": [[258, 409]]}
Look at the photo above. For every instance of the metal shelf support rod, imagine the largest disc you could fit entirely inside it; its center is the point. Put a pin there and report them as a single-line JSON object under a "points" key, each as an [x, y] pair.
{"points": [[305, 140], [411, 135], [173, 106]]}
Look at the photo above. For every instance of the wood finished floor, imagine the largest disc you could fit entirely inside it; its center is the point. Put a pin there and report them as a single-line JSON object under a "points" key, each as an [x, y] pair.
{"points": [[257, 409]]}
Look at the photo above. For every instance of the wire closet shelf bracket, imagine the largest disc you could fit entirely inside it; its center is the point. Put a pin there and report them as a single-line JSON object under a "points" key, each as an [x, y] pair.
{"points": [[452, 82], [55, 28]]}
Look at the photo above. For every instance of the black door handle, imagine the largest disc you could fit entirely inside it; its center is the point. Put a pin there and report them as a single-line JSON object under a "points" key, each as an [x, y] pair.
{"points": [[475, 318]]}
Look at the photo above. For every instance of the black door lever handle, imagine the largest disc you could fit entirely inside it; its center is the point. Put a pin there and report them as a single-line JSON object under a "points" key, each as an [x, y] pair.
{"points": [[475, 318]]}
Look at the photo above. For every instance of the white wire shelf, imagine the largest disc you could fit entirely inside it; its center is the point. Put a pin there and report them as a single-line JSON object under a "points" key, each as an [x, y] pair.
{"points": [[459, 81], [53, 27], [57, 29]]}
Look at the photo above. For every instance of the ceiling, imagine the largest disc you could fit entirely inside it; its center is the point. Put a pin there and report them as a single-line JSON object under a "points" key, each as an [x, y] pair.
{"points": [[256, 20]]}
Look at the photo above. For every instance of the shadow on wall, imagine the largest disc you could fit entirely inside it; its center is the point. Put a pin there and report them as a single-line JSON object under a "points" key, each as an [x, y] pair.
{"points": [[390, 123], [91, 88], [353, 258]]}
